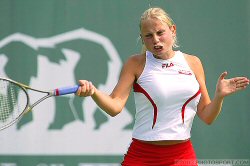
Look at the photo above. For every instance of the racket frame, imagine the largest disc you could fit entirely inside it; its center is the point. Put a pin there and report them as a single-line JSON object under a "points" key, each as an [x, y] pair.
{"points": [[28, 107], [50, 93]]}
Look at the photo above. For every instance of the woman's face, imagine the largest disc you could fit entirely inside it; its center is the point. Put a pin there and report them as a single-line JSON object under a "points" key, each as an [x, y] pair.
{"points": [[157, 36]]}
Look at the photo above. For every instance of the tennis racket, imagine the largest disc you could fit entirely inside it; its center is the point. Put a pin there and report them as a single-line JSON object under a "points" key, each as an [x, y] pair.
{"points": [[15, 101]]}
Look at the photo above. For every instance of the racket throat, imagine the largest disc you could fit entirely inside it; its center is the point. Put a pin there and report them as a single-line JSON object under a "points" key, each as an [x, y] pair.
{"points": [[28, 109]]}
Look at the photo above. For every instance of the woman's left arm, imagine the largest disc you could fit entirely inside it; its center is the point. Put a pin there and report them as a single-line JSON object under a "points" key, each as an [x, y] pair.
{"points": [[208, 109]]}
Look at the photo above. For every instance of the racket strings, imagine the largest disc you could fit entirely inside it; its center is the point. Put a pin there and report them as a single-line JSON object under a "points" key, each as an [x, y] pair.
{"points": [[10, 105], [7, 99]]}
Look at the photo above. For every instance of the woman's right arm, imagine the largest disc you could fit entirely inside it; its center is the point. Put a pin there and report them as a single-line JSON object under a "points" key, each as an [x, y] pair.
{"points": [[114, 103]]}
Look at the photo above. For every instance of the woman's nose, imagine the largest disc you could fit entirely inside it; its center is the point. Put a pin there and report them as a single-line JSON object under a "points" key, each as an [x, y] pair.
{"points": [[155, 39]]}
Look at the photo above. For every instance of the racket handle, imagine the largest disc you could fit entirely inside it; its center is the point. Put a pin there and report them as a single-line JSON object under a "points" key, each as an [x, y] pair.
{"points": [[66, 90]]}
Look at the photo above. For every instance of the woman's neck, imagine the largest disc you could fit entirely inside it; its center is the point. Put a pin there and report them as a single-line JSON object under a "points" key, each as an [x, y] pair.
{"points": [[165, 56]]}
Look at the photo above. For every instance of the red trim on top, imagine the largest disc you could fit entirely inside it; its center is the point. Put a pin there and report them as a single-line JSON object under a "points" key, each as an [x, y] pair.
{"points": [[57, 92], [139, 89], [185, 104]]}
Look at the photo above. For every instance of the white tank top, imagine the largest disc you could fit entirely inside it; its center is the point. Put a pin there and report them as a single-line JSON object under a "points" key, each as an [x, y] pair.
{"points": [[166, 96]]}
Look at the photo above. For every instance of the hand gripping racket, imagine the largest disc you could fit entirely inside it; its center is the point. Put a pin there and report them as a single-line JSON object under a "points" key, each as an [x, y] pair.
{"points": [[15, 101]]}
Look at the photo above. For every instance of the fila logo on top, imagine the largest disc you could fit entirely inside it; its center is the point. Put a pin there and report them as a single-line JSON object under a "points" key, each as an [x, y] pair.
{"points": [[166, 65]]}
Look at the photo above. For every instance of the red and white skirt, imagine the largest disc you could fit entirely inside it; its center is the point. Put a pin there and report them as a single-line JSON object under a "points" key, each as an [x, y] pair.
{"points": [[144, 154]]}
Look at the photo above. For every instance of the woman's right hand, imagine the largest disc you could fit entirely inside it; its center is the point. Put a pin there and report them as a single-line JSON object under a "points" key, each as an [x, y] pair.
{"points": [[86, 88]]}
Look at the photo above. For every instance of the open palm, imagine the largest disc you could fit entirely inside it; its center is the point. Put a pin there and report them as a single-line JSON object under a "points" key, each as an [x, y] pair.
{"points": [[226, 87]]}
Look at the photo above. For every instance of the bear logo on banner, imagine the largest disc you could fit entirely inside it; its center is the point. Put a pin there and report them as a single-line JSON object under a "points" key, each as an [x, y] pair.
{"points": [[68, 124]]}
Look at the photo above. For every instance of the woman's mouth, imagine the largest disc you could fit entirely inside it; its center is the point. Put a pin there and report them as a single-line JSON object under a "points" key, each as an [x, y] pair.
{"points": [[158, 48]]}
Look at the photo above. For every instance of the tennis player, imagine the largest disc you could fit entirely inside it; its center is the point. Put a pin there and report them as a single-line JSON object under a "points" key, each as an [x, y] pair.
{"points": [[169, 90]]}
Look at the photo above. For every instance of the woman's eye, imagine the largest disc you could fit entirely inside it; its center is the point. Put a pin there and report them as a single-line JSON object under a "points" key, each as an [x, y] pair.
{"points": [[148, 36], [160, 32]]}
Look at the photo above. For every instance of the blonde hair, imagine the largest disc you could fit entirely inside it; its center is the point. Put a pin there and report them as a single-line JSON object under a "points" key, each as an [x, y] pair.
{"points": [[163, 16]]}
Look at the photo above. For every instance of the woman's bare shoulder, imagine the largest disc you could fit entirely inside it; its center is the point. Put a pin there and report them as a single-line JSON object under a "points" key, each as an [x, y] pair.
{"points": [[195, 64], [136, 58], [192, 59], [135, 64]]}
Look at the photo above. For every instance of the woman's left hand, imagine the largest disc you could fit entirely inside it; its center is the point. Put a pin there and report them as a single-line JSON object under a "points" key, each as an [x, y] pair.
{"points": [[226, 87]]}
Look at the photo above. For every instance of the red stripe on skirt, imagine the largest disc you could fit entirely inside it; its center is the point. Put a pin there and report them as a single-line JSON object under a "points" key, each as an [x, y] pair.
{"points": [[144, 154]]}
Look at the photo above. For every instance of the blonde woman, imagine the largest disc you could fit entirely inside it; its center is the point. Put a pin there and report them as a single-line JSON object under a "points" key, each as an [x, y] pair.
{"points": [[169, 90]]}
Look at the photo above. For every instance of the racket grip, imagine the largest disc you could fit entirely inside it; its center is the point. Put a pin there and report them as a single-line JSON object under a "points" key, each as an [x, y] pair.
{"points": [[66, 90]]}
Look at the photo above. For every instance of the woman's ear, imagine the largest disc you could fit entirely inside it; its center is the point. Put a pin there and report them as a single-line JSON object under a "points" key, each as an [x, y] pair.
{"points": [[173, 30], [141, 39]]}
